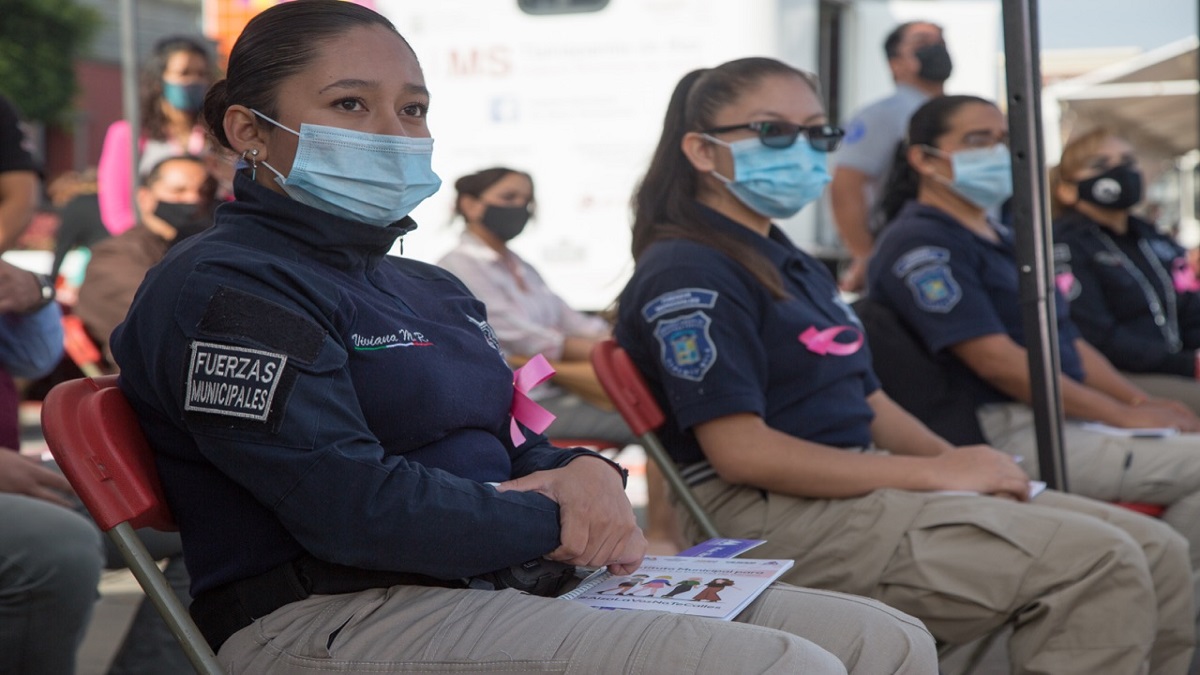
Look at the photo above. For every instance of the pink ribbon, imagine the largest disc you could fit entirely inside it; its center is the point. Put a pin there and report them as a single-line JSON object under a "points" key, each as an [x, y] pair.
{"points": [[1064, 281], [524, 409], [822, 342], [1185, 280]]}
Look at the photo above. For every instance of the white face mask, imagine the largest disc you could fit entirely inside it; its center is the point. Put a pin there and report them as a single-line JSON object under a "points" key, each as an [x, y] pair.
{"points": [[370, 178]]}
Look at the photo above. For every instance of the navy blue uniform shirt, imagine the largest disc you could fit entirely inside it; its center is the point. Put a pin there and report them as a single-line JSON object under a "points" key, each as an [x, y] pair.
{"points": [[1133, 296], [712, 342], [305, 392], [951, 285]]}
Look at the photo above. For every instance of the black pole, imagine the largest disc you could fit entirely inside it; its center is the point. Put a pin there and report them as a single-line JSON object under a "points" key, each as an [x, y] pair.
{"points": [[1032, 235]]}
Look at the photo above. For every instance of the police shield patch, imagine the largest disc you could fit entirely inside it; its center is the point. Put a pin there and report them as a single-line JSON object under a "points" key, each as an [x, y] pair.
{"points": [[687, 349], [934, 288], [232, 381]]}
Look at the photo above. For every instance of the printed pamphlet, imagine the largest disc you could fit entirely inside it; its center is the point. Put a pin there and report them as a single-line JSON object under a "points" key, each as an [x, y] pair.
{"points": [[1139, 432], [702, 586]]}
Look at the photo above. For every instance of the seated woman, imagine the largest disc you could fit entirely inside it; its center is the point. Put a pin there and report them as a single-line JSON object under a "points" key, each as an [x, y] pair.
{"points": [[332, 425], [1133, 295], [775, 414], [951, 274], [527, 316]]}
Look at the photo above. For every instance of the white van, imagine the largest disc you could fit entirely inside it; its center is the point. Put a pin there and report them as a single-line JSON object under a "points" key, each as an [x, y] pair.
{"points": [[574, 91]]}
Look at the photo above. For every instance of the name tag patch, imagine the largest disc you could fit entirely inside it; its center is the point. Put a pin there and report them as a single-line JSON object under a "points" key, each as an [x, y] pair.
{"points": [[232, 381]]}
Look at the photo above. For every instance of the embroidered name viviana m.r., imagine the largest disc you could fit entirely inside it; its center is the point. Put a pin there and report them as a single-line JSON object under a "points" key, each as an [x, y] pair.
{"points": [[232, 381]]}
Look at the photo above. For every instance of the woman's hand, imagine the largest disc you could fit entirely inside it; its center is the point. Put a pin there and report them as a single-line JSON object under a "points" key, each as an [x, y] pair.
{"points": [[1160, 413], [597, 521], [979, 468]]}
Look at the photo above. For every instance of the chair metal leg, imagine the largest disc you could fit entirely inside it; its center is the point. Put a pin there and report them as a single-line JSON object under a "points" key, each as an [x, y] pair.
{"points": [[681, 490], [165, 600]]}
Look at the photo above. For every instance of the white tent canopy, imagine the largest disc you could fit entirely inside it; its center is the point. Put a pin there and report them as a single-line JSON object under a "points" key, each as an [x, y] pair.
{"points": [[1151, 99]]}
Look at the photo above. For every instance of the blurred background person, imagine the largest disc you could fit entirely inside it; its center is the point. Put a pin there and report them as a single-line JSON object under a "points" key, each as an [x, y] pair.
{"points": [[173, 82], [1133, 295], [73, 195], [174, 203], [529, 319], [920, 64]]}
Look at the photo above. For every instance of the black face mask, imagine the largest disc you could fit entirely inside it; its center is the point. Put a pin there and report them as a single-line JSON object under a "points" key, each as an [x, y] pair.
{"points": [[505, 222], [1118, 188], [187, 219], [935, 63]]}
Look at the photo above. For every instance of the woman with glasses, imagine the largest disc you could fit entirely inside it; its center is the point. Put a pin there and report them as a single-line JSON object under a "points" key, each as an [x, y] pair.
{"points": [[1133, 295], [779, 425], [950, 272]]}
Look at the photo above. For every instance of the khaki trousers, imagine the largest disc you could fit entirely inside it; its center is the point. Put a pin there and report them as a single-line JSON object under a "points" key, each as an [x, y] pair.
{"points": [[1111, 468], [407, 629], [1175, 387], [1085, 594]]}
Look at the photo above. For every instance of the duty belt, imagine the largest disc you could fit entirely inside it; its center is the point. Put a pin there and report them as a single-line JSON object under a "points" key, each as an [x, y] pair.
{"points": [[220, 612]]}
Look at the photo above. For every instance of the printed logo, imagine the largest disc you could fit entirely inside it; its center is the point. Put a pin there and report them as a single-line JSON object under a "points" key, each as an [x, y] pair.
{"points": [[679, 300], [855, 132], [1106, 190], [1163, 250], [1062, 253], [232, 381], [919, 257], [934, 288], [687, 349], [399, 338], [488, 333]]}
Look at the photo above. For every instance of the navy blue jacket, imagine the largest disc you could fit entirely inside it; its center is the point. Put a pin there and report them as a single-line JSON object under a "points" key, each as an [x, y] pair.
{"points": [[951, 285], [712, 342], [305, 392], [1131, 295]]}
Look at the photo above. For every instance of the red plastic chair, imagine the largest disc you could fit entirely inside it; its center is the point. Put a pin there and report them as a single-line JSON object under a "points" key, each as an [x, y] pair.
{"points": [[628, 392], [95, 438]]}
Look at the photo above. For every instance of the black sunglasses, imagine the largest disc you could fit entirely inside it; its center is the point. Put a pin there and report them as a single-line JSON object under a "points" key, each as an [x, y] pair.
{"points": [[822, 137]]}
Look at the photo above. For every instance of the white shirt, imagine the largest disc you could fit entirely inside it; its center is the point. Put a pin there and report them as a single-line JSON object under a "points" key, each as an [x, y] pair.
{"points": [[527, 321]]}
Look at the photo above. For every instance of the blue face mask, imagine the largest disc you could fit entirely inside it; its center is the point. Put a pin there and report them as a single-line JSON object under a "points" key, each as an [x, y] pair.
{"points": [[983, 176], [775, 182], [371, 178], [186, 97]]}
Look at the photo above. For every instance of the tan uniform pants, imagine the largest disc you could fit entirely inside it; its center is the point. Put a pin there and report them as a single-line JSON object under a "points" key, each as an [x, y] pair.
{"points": [[1083, 595], [437, 630], [1175, 387], [1110, 468]]}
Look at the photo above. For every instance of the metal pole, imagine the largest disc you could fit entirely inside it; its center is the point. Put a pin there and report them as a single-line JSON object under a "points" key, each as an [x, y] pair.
{"points": [[1033, 237], [129, 89]]}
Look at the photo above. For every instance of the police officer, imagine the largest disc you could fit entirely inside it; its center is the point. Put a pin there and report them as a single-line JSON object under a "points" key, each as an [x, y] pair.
{"points": [[920, 64], [772, 407], [334, 428], [1133, 295], [951, 274]]}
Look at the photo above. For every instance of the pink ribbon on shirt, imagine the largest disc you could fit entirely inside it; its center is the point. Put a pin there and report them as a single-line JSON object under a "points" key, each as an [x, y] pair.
{"points": [[1064, 281], [524, 409], [1185, 280], [822, 342]]}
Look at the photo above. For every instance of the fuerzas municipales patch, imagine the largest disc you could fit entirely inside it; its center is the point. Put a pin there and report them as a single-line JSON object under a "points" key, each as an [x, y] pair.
{"points": [[232, 381], [687, 348]]}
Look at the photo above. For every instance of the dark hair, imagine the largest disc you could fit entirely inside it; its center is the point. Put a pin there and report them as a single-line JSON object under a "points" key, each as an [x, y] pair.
{"points": [[154, 120], [474, 185], [278, 43], [664, 204], [927, 124], [891, 44], [208, 191]]}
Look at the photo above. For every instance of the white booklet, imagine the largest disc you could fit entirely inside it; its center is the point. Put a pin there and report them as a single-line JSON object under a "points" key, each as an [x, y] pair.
{"points": [[714, 587], [1137, 432]]}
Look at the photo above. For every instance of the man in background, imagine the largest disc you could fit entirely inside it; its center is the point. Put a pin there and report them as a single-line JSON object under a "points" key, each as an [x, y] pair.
{"points": [[920, 64]]}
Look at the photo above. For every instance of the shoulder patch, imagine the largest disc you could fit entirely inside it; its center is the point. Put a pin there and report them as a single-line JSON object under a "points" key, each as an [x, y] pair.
{"points": [[232, 381], [855, 132], [679, 300], [934, 288], [237, 314], [687, 350], [919, 257]]}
